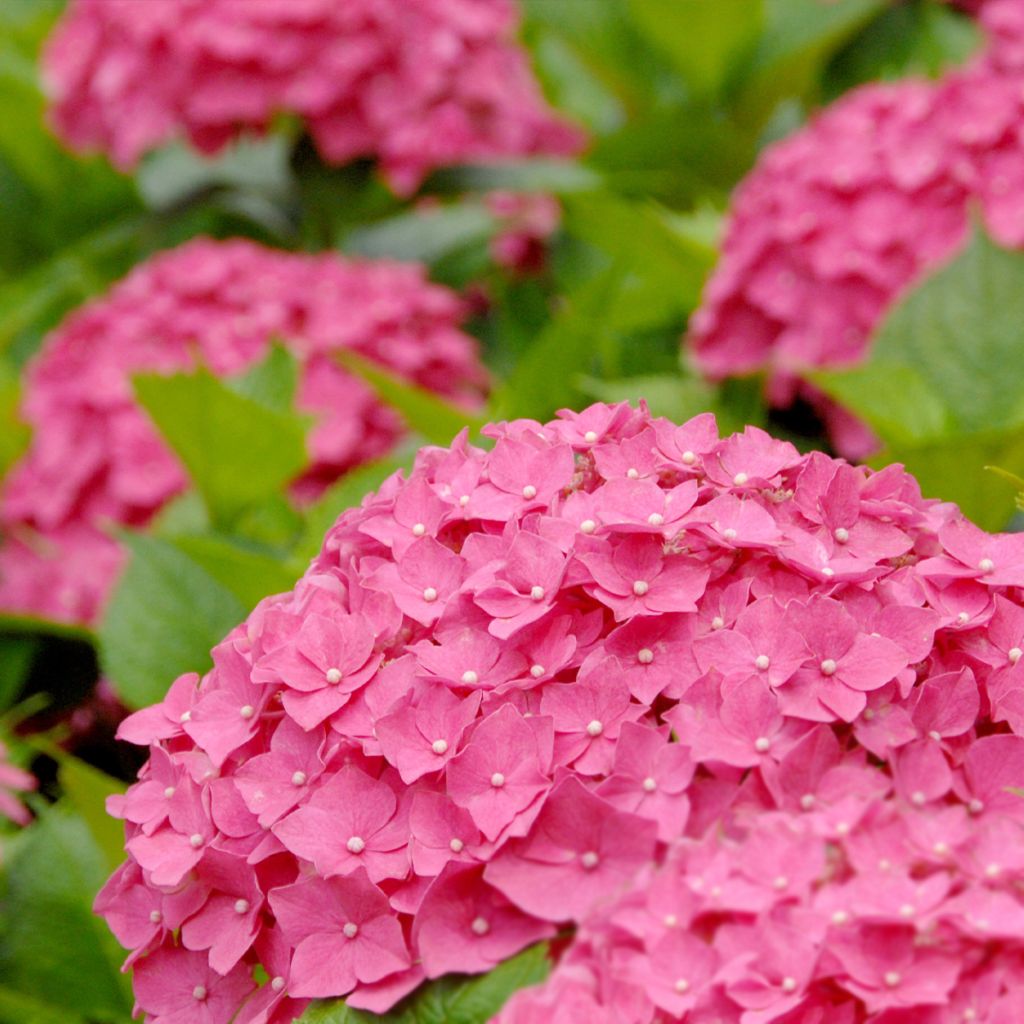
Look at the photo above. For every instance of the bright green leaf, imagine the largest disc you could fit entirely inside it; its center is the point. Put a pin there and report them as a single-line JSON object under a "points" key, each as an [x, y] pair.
{"points": [[271, 382], [164, 617], [86, 789], [21, 1008], [437, 420], [52, 947], [703, 38], [236, 450]]}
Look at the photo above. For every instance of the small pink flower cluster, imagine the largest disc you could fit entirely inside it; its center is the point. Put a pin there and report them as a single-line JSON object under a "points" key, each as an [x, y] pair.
{"points": [[838, 220], [758, 711], [415, 85], [95, 456], [13, 780], [526, 221]]}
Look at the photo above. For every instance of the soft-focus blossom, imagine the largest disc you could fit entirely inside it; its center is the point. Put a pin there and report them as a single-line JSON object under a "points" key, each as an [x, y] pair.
{"points": [[838, 220], [751, 775], [412, 85], [96, 459], [13, 780]]}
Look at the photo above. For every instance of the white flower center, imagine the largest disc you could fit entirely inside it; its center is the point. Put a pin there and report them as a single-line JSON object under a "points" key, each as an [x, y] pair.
{"points": [[418, 529], [762, 662], [590, 860], [356, 844], [828, 667], [640, 587], [588, 526], [298, 778], [529, 492], [199, 992], [470, 678], [740, 479], [762, 743], [430, 595], [480, 926], [247, 711], [439, 747], [645, 655], [351, 929], [241, 906], [649, 784], [595, 727], [333, 675], [497, 780]]}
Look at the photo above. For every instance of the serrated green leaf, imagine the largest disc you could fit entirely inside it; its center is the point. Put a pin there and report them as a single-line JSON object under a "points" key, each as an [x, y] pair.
{"points": [[271, 382], [703, 40], [435, 419], [165, 615], [237, 451], [455, 999], [51, 944]]}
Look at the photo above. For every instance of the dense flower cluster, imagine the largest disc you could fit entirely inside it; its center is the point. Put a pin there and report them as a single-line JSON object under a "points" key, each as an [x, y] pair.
{"points": [[13, 780], [415, 86], [96, 458], [836, 221], [756, 711]]}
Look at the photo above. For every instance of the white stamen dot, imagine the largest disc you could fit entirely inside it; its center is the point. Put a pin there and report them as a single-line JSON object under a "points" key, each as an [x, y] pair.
{"points": [[717, 622], [355, 844], [640, 587], [840, 917], [843, 828], [480, 926], [892, 978], [169, 792], [963, 618], [247, 711], [497, 780], [529, 492], [828, 573], [439, 746], [975, 806], [788, 984], [986, 565], [841, 534], [464, 500], [199, 992], [195, 840], [1013, 654], [418, 529], [650, 785], [729, 533], [588, 526], [780, 882], [645, 655], [828, 667], [681, 985], [935, 735], [670, 920], [186, 716], [351, 930], [333, 676], [595, 728], [590, 436], [241, 906], [589, 860], [740, 479], [762, 661], [429, 595], [762, 743], [155, 916], [869, 713], [299, 779], [470, 678], [941, 848], [632, 473], [991, 870], [689, 458], [536, 671], [655, 519], [456, 845], [807, 801], [969, 1014], [908, 910], [918, 799], [537, 593], [277, 983]]}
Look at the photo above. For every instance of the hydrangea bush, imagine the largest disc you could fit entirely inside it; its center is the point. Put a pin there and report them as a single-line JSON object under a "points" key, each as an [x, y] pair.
{"points": [[837, 220], [415, 86], [96, 459], [741, 722]]}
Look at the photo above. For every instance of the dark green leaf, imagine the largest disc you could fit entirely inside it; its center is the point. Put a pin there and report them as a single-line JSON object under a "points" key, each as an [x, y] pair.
{"points": [[52, 947], [16, 656], [561, 177], [164, 617], [424, 235], [236, 450], [20, 1008]]}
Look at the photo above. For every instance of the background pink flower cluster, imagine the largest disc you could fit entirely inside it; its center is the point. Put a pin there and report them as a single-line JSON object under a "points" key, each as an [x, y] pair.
{"points": [[416, 86], [837, 220], [747, 717], [96, 458]]}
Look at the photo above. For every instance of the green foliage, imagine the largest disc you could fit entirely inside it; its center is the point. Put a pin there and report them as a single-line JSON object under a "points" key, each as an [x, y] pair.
{"points": [[944, 385], [449, 1000], [54, 953]]}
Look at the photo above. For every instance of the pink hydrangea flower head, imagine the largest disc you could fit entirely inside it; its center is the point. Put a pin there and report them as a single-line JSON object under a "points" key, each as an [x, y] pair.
{"points": [[96, 458], [415, 86], [837, 221], [747, 770]]}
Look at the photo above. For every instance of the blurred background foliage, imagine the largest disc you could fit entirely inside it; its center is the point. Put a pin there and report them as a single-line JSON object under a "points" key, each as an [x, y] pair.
{"points": [[679, 97]]}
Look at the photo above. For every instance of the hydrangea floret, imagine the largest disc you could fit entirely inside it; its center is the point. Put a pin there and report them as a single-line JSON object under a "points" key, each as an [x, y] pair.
{"points": [[743, 723], [97, 459], [839, 219], [413, 85]]}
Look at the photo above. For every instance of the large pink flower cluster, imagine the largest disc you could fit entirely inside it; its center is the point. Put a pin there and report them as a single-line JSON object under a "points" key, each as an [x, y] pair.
{"points": [[836, 221], [756, 711], [96, 458], [415, 85]]}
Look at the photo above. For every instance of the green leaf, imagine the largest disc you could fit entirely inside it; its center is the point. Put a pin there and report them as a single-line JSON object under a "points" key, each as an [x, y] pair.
{"points": [[16, 656], [14, 435], [86, 789], [236, 450], [51, 944], [450, 1000], [561, 177], [437, 420], [20, 1008], [704, 40], [164, 617], [271, 382]]}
